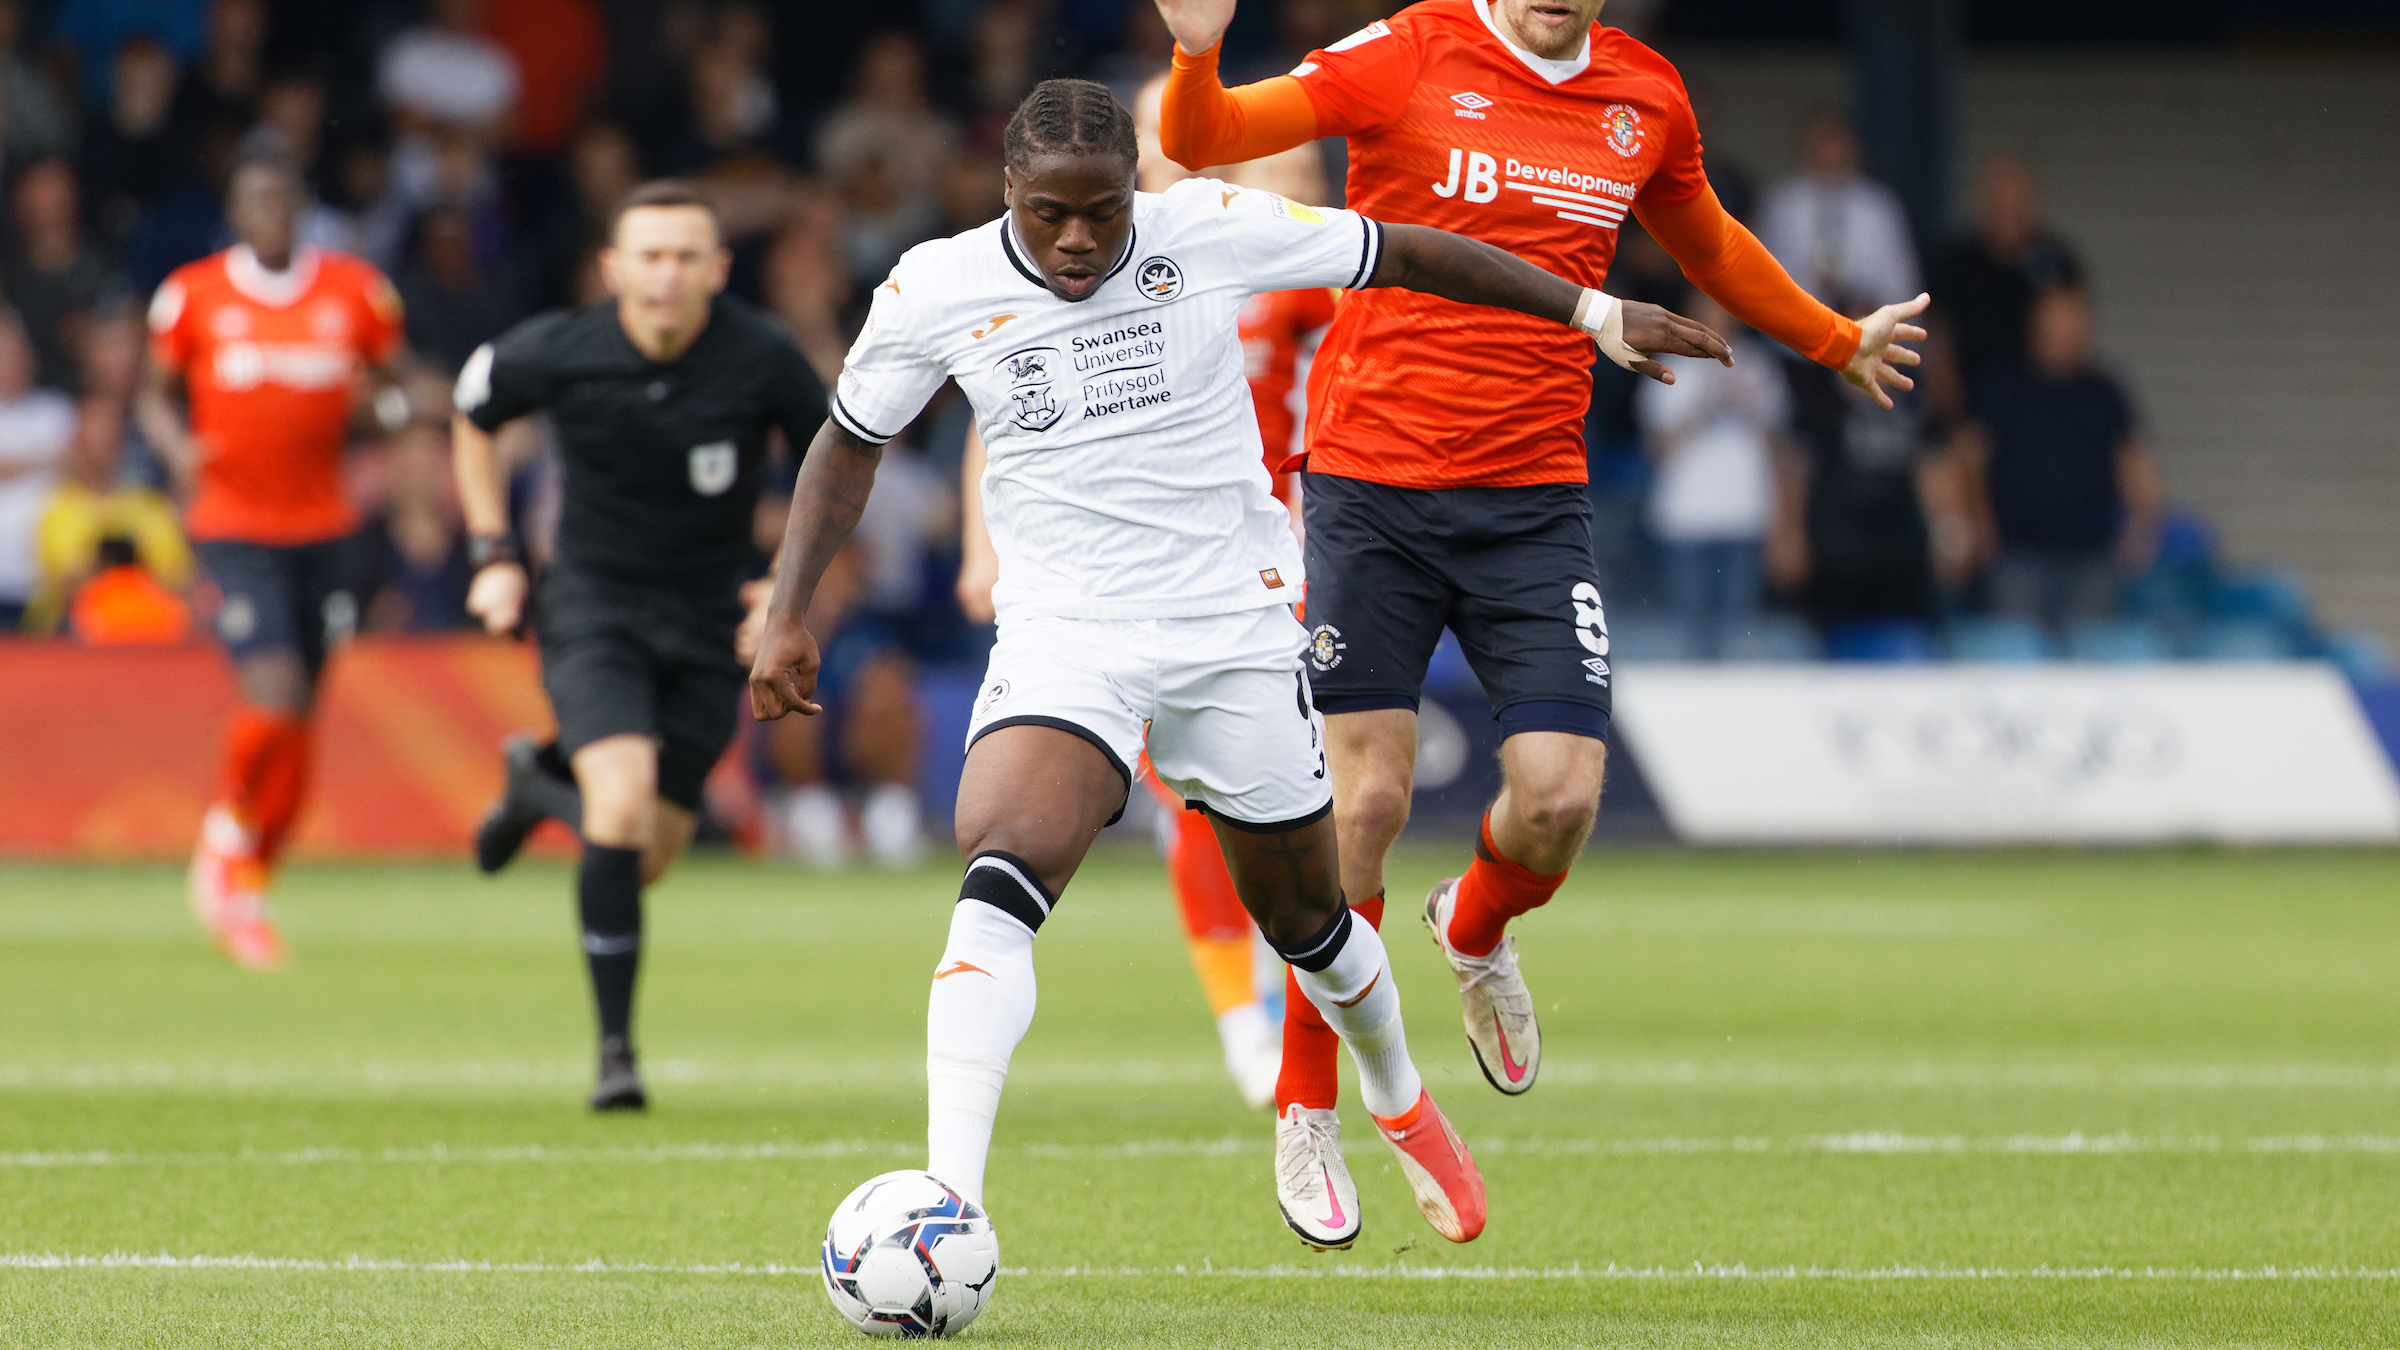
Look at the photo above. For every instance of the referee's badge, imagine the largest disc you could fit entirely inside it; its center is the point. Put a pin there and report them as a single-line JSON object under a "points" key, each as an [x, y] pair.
{"points": [[713, 467]]}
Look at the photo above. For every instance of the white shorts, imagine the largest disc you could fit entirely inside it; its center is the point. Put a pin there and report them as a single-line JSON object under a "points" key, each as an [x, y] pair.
{"points": [[1224, 700]]}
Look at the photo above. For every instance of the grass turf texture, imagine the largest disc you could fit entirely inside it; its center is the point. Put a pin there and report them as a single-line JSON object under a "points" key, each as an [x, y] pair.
{"points": [[1906, 1100]]}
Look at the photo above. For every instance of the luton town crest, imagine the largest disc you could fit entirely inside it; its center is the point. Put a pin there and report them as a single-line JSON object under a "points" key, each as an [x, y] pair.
{"points": [[1624, 129]]}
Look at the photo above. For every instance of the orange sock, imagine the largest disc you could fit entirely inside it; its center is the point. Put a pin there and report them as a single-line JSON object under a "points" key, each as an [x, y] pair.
{"points": [[256, 751], [1493, 891], [1312, 1072], [281, 789], [1214, 922]]}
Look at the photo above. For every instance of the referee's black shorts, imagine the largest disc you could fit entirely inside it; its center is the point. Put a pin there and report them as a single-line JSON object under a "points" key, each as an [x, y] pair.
{"points": [[625, 659], [1508, 569]]}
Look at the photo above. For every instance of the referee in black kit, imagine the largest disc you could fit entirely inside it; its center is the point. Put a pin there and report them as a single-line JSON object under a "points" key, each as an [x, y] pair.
{"points": [[661, 402]]}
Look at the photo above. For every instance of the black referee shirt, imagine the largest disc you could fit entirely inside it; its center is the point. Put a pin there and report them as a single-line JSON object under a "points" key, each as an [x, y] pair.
{"points": [[664, 462]]}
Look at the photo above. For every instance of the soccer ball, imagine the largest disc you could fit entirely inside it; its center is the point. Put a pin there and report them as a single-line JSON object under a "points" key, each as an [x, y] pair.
{"points": [[905, 1255]]}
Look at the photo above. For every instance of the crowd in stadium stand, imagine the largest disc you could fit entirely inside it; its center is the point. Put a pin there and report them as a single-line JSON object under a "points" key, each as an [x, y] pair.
{"points": [[472, 151]]}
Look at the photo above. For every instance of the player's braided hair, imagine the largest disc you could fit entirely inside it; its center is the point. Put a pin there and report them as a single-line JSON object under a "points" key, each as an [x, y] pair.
{"points": [[1077, 117]]}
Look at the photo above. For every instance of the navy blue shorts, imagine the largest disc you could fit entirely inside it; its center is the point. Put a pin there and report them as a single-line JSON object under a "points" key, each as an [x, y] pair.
{"points": [[295, 598], [1509, 570], [622, 659]]}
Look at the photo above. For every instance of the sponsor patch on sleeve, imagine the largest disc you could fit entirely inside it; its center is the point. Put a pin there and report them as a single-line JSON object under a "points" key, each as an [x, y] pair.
{"points": [[1294, 211]]}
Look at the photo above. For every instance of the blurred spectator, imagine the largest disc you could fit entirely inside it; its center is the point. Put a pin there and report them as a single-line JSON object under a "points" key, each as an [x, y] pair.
{"points": [[187, 222], [2070, 500], [731, 111], [1861, 503], [1714, 433], [878, 591], [34, 119], [446, 73], [95, 29], [416, 548], [1836, 231], [125, 605], [1005, 51], [1983, 288], [560, 50], [452, 303], [94, 504], [889, 117], [602, 166], [224, 88], [52, 276], [132, 149], [971, 190], [37, 428], [806, 285]]}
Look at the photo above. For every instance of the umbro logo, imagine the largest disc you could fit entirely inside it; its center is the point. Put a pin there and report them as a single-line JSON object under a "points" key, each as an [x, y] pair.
{"points": [[1597, 666], [1470, 104]]}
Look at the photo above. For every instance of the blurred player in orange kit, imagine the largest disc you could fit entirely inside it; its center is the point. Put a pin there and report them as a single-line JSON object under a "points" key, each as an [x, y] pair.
{"points": [[268, 342], [1429, 503], [1277, 328]]}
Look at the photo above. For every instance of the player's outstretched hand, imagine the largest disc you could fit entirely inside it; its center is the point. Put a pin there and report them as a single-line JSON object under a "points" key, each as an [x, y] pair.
{"points": [[497, 596], [783, 676], [1880, 353], [1196, 24], [1658, 332]]}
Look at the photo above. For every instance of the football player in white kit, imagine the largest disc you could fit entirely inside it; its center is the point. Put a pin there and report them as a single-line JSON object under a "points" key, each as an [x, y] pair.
{"points": [[1147, 576]]}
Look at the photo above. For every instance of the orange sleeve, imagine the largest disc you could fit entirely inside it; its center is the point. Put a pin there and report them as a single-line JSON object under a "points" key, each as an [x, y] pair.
{"points": [[1201, 122], [1724, 259]]}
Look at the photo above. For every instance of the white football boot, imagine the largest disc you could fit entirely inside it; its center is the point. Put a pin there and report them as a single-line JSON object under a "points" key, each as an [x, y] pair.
{"points": [[1312, 1183], [1497, 1007]]}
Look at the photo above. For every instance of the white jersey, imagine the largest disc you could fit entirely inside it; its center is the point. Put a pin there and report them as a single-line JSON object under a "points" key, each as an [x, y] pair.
{"points": [[1124, 478]]}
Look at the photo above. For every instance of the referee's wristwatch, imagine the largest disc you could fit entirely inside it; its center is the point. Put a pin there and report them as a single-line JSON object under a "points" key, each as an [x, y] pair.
{"points": [[485, 549]]}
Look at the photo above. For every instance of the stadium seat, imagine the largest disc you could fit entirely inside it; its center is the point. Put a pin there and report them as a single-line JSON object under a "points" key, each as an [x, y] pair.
{"points": [[1997, 640], [2244, 640], [1648, 637], [1897, 640], [1772, 637], [2120, 642]]}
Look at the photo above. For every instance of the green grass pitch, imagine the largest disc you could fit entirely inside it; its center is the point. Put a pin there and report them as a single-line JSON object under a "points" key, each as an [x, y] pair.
{"points": [[1791, 1099]]}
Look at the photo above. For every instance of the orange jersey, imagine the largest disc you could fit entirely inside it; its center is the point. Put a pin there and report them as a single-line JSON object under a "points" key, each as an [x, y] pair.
{"points": [[1274, 327], [1450, 127], [270, 366]]}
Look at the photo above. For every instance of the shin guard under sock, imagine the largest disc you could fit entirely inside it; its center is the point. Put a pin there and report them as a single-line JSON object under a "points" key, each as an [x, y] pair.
{"points": [[1345, 973], [981, 1005], [608, 894], [1312, 1074]]}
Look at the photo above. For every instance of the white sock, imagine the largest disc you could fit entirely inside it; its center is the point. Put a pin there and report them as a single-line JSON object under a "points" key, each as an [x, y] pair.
{"points": [[891, 821], [982, 1003], [1360, 975], [815, 828]]}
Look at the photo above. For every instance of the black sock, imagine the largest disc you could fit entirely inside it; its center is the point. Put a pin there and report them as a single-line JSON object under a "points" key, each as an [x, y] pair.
{"points": [[608, 892], [551, 788]]}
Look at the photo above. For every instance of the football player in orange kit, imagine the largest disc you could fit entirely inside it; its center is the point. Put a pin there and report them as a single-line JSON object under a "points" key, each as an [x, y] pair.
{"points": [[268, 341], [1528, 125]]}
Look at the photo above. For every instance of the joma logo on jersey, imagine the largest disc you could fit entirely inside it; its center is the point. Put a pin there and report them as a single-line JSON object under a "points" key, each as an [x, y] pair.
{"points": [[1027, 371], [991, 326], [1470, 104], [1160, 278]]}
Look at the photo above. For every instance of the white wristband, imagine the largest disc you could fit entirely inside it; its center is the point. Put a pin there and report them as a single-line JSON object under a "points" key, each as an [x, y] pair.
{"points": [[1603, 316]]}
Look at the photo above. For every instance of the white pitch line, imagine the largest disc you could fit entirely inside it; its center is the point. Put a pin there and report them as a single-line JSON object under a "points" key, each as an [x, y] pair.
{"points": [[1561, 1072], [1866, 1143], [1695, 1271]]}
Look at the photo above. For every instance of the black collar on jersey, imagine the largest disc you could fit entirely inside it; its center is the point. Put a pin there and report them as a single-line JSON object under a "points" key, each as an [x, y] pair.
{"points": [[1008, 245]]}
